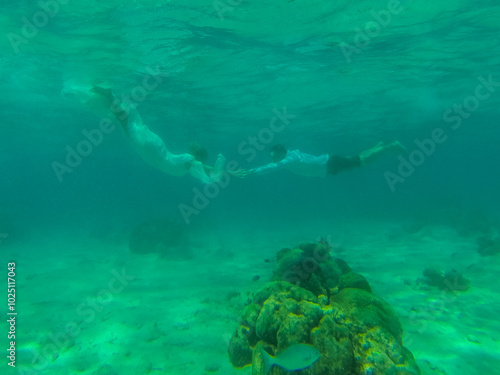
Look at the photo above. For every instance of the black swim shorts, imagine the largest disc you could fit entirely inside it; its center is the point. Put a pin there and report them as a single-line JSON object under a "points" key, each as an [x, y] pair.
{"points": [[337, 163]]}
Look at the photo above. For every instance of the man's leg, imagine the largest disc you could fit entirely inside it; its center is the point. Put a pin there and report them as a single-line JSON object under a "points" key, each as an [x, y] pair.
{"points": [[338, 163], [381, 149]]}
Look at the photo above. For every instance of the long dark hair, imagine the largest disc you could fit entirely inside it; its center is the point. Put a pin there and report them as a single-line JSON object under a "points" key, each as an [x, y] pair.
{"points": [[198, 151]]}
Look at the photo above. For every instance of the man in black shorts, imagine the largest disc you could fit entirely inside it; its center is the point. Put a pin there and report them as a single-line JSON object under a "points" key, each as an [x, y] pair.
{"points": [[319, 166]]}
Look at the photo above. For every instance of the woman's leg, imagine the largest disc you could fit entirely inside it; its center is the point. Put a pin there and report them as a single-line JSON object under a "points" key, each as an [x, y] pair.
{"points": [[119, 109]]}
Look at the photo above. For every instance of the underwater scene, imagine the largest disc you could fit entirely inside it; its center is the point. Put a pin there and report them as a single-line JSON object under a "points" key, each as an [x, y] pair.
{"points": [[232, 187]]}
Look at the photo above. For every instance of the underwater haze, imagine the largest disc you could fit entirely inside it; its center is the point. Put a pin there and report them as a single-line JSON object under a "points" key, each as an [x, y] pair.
{"points": [[78, 206]]}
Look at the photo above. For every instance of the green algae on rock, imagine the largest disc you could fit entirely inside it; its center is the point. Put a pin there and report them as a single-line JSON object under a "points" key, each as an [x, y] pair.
{"points": [[317, 300]]}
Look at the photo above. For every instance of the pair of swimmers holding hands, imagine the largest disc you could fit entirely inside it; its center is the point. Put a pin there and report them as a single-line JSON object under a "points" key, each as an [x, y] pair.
{"points": [[153, 150]]}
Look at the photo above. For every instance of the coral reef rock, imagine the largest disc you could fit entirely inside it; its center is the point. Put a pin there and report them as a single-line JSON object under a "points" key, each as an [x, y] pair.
{"points": [[317, 300]]}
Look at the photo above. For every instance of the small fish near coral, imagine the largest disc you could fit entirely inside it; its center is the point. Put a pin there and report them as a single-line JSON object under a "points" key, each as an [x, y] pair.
{"points": [[294, 358]]}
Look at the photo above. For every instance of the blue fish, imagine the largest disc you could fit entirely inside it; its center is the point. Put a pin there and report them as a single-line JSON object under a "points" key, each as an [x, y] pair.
{"points": [[295, 357]]}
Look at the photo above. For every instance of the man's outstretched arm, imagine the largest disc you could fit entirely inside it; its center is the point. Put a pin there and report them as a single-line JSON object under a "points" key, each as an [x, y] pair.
{"points": [[269, 168]]}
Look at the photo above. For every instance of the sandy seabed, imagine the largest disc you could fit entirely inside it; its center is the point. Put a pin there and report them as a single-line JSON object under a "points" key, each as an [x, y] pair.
{"points": [[88, 306]]}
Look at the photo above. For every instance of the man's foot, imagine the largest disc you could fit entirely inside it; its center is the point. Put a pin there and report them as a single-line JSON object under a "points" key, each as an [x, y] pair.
{"points": [[397, 146]]}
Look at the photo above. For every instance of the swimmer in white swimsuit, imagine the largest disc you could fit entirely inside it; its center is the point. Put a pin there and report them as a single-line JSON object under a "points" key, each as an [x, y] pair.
{"points": [[152, 148]]}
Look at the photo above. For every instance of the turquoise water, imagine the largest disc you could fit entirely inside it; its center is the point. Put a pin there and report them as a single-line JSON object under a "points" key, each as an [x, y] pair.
{"points": [[221, 73]]}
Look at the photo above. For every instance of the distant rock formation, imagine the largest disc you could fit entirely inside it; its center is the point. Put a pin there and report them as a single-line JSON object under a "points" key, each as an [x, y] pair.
{"points": [[165, 237], [488, 246], [450, 281]]}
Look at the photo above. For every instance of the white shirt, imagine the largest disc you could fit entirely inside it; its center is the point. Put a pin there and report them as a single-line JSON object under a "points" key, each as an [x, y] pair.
{"points": [[298, 163]]}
